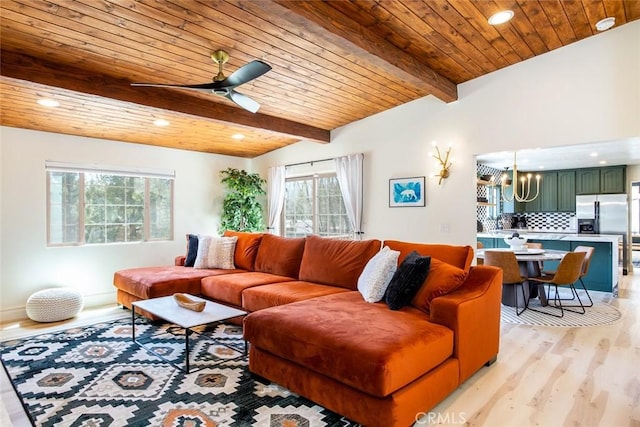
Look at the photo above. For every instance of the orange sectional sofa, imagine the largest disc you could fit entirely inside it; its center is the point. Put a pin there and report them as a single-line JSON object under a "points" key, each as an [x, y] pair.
{"points": [[311, 331]]}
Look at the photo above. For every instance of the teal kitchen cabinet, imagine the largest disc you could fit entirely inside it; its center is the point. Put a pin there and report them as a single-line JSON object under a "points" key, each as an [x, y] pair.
{"points": [[500, 243], [548, 192], [599, 276], [566, 191], [487, 242], [493, 242], [547, 200], [588, 181], [609, 180], [612, 180]]}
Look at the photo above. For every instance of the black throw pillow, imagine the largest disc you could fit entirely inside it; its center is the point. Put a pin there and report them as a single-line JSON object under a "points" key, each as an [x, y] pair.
{"points": [[192, 250], [407, 280]]}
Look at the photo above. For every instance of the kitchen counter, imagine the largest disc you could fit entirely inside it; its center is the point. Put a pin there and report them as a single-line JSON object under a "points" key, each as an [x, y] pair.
{"points": [[604, 268], [550, 235]]}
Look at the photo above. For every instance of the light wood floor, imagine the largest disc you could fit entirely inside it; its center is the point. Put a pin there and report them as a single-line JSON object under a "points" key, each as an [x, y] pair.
{"points": [[543, 377]]}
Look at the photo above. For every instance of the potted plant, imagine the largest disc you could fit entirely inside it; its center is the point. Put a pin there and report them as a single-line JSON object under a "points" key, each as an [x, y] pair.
{"points": [[241, 210]]}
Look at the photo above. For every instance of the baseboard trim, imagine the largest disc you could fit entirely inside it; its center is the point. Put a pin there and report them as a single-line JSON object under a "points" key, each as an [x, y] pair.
{"points": [[17, 313]]}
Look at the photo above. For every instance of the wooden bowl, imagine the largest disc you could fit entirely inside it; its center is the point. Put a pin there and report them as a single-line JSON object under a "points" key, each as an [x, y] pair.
{"points": [[185, 301]]}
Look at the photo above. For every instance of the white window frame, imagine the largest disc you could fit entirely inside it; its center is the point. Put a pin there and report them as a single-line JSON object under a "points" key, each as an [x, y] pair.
{"points": [[146, 174], [315, 211]]}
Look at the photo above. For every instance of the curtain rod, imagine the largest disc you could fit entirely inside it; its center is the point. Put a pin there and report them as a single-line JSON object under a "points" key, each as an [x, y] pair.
{"points": [[308, 163]]}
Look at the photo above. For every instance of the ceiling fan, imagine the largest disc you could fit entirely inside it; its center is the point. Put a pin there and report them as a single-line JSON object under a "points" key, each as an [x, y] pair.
{"points": [[225, 86]]}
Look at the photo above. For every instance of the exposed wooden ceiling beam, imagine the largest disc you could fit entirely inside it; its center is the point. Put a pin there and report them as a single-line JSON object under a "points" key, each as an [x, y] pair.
{"points": [[40, 71], [331, 27]]}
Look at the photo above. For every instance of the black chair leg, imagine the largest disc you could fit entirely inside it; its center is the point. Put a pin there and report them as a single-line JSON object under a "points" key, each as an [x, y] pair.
{"points": [[574, 292], [524, 300], [558, 305], [574, 295], [587, 292]]}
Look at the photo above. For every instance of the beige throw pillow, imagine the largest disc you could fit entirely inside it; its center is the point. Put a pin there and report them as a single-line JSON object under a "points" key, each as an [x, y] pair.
{"points": [[216, 252], [377, 274]]}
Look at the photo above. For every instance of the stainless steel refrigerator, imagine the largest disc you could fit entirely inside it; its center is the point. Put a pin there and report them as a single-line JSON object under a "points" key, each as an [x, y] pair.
{"points": [[608, 213]]}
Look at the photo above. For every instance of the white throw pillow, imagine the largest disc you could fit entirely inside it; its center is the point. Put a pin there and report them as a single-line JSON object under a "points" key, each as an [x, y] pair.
{"points": [[377, 274], [216, 252]]}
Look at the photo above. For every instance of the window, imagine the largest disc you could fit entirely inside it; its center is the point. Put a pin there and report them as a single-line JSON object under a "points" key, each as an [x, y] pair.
{"points": [[89, 206], [313, 205]]}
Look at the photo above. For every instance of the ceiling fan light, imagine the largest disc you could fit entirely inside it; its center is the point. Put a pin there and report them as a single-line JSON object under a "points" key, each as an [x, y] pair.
{"points": [[500, 17], [605, 24]]}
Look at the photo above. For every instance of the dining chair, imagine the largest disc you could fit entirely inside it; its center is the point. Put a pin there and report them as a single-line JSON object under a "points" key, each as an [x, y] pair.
{"points": [[511, 273], [479, 245], [567, 274], [588, 250]]}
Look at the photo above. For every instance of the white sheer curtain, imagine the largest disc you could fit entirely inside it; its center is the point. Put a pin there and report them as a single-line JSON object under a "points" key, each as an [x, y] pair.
{"points": [[349, 175], [275, 195]]}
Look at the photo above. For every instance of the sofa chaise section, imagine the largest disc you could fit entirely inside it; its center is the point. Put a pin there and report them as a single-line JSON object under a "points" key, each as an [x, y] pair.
{"points": [[376, 366], [143, 283], [366, 346]]}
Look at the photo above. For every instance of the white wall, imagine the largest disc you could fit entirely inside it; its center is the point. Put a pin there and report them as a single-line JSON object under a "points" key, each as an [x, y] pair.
{"points": [[586, 92], [28, 265]]}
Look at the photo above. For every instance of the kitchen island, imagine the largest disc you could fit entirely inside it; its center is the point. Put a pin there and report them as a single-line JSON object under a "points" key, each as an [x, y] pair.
{"points": [[603, 270]]}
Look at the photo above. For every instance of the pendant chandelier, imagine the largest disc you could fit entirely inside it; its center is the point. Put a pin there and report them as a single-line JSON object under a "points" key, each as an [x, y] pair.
{"points": [[520, 186]]}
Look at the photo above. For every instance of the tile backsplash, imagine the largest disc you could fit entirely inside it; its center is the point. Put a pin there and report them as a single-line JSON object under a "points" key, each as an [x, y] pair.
{"points": [[559, 222], [552, 221]]}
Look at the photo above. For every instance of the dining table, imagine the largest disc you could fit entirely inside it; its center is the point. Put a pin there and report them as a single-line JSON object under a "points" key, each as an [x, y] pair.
{"points": [[530, 261]]}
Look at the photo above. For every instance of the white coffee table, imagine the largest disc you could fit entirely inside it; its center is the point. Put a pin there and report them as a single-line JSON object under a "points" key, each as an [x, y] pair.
{"points": [[166, 308]]}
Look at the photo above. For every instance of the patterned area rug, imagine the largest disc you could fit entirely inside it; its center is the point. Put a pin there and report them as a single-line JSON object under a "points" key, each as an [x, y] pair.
{"points": [[96, 376], [600, 314]]}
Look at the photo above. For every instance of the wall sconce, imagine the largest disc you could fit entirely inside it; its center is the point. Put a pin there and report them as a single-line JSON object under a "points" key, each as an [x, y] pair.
{"points": [[443, 163]]}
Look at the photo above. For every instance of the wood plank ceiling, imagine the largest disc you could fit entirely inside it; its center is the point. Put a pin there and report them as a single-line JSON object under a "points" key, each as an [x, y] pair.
{"points": [[334, 62]]}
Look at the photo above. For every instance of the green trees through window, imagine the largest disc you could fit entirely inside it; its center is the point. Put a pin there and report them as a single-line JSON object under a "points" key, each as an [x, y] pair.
{"points": [[93, 208], [314, 205]]}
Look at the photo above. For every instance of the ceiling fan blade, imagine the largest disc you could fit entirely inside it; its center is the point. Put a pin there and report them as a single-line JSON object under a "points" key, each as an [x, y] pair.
{"points": [[246, 73], [204, 87], [243, 101]]}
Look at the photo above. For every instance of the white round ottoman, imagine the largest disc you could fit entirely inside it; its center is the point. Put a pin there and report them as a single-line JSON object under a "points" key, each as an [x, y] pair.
{"points": [[52, 305]]}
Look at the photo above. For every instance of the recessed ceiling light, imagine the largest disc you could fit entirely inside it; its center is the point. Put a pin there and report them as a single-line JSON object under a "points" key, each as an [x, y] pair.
{"points": [[46, 102], [605, 24], [500, 17], [237, 136], [594, 154], [161, 122], [603, 162]]}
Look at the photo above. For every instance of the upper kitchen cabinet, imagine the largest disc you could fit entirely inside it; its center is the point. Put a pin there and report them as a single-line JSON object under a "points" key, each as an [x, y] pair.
{"points": [[588, 181], [610, 180], [547, 200], [548, 192], [567, 191]]}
